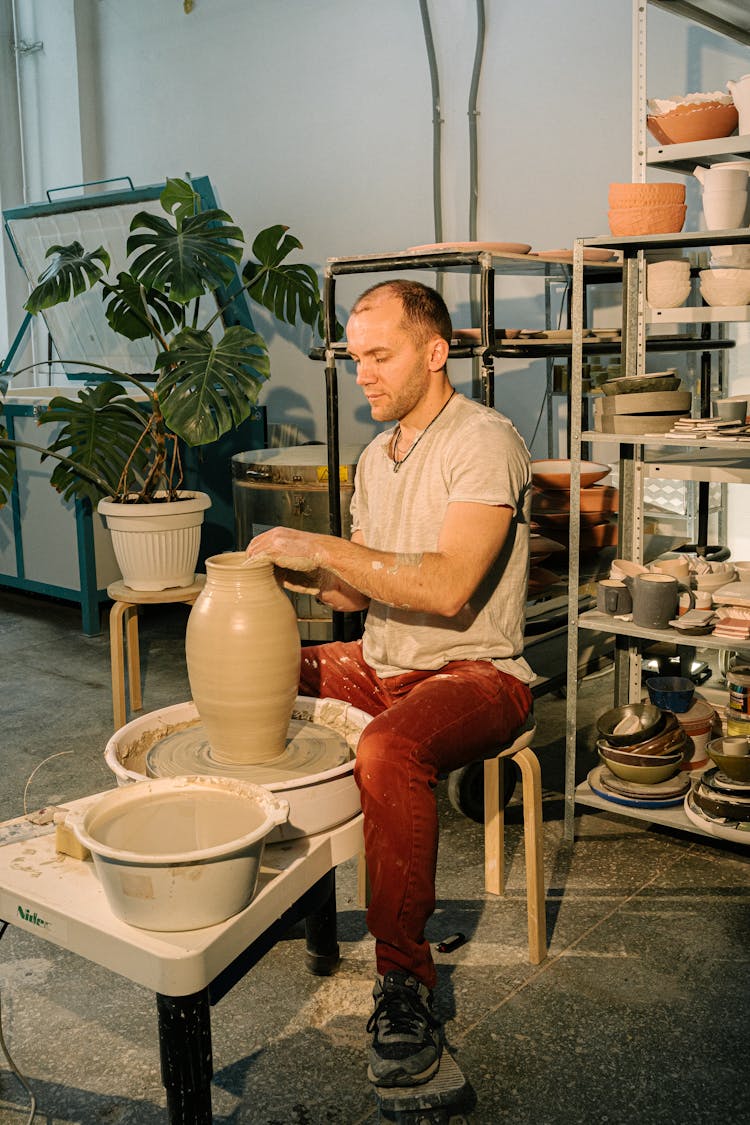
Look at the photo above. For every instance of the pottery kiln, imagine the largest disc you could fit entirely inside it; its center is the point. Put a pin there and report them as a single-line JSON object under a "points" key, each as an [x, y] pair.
{"points": [[317, 800]]}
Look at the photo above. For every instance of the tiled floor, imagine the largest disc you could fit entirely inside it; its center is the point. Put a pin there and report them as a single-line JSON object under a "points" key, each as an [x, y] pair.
{"points": [[639, 1014]]}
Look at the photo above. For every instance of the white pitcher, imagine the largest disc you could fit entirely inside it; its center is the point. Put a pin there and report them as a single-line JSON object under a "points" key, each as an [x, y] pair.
{"points": [[740, 91], [722, 177]]}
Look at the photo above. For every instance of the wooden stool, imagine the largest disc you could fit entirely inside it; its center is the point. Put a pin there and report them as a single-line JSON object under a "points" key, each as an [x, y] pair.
{"points": [[519, 750], [125, 602]]}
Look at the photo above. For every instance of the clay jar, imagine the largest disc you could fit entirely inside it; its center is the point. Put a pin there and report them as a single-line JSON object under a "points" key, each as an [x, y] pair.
{"points": [[243, 651], [655, 599]]}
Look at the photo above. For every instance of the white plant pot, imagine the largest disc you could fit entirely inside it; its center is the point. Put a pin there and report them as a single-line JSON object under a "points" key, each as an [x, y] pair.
{"points": [[156, 545]]}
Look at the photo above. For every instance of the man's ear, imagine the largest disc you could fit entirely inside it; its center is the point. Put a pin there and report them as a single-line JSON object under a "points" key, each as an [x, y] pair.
{"points": [[438, 353]]}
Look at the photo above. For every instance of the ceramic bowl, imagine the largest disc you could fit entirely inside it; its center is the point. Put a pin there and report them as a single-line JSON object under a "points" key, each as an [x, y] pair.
{"points": [[179, 853], [646, 775], [636, 195], [725, 286], [702, 121], [731, 409], [635, 758], [671, 693], [714, 579], [669, 737], [669, 293], [738, 768], [665, 218], [743, 571], [597, 501], [630, 723], [555, 473]]}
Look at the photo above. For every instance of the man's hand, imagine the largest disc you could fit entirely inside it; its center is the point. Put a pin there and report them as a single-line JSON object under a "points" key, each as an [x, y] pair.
{"points": [[287, 548]]}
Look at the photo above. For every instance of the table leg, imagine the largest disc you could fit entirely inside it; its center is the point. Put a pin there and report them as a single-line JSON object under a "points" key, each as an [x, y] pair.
{"points": [[134, 659], [186, 1059], [322, 952]]}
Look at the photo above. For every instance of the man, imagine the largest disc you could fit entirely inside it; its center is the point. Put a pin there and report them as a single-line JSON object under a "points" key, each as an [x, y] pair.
{"points": [[439, 556]]}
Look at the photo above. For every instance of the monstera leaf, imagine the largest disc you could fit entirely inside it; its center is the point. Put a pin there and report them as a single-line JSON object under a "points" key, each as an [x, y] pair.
{"points": [[288, 291], [206, 388], [101, 430], [130, 306], [187, 259], [72, 271]]}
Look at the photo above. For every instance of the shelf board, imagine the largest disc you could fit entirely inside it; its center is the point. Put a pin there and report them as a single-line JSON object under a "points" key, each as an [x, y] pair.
{"points": [[728, 17], [673, 241], [516, 265], [699, 315], [737, 449], [604, 622], [670, 818], [717, 470], [683, 158]]}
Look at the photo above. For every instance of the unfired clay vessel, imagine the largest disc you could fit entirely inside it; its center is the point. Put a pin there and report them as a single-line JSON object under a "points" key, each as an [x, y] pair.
{"points": [[243, 649]]}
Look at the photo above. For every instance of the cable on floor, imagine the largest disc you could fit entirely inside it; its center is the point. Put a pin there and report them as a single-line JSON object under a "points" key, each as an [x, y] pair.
{"points": [[8, 1058]]}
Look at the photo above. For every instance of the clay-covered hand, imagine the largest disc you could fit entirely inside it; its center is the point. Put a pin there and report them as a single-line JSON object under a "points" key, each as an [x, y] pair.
{"points": [[288, 548]]}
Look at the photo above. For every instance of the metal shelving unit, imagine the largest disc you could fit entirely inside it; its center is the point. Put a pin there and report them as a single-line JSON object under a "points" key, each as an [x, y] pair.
{"points": [[641, 456]]}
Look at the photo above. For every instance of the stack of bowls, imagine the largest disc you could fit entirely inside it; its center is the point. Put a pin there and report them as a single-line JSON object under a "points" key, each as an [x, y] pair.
{"points": [[725, 287], [641, 743], [668, 283], [550, 503], [636, 209]]}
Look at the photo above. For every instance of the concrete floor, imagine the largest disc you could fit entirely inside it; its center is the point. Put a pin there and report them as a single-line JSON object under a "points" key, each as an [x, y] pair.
{"points": [[639, 1014]]}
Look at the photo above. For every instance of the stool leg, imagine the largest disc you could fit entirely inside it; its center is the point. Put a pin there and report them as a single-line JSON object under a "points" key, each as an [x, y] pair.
{"points": [[494, 829], [117, 657], [531, 777], [134, 658]]}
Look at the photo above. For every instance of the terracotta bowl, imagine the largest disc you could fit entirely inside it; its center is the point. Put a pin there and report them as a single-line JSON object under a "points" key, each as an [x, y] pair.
{"points": [[666, 218], [598, 535], [596, 500], [701, 121], [555, 473], [639, 195]]}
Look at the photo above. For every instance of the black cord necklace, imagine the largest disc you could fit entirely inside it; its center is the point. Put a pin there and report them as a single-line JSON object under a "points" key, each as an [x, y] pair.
{"points": [[397, 436]]}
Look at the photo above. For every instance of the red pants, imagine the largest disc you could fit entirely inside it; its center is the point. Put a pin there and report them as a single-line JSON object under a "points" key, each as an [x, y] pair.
{"points": [[426, 723]]}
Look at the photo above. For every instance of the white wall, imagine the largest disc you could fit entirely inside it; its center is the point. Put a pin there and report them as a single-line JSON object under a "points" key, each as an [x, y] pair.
{"points": [[319, 115]]}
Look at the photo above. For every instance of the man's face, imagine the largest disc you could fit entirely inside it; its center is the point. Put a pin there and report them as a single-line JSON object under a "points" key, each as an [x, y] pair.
{"points": [[393, 368]]}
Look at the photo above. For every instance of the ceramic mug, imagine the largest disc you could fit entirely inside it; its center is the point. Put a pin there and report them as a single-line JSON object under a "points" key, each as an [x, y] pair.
{"points": [[655, 598], [613, 597]]}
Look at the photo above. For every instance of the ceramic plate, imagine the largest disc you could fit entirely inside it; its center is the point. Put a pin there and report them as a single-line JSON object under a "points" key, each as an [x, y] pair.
{"points": [[675, 786], [594, 780], [493, 247], [723, 829]]}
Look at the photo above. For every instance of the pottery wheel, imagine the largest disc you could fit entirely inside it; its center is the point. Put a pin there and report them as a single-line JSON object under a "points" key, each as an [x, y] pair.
{"points": [[311, 748]]}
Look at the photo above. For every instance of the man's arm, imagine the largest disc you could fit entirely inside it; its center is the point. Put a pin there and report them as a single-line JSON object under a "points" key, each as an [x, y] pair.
{"points": [[439, 582]]}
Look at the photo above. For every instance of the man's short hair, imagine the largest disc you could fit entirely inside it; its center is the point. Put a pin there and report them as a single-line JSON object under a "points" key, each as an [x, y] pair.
{"points": [[425, 310]]}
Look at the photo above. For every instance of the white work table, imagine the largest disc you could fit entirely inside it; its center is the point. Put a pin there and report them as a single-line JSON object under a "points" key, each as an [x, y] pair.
{"points": [[60, 900]]}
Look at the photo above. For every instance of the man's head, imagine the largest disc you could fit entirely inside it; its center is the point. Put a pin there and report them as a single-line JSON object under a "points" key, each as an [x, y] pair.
{"points": [[425, 313], [398, 334]]}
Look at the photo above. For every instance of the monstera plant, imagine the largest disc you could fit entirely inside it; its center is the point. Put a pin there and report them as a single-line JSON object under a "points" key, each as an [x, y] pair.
{"points": [[123, 447]]}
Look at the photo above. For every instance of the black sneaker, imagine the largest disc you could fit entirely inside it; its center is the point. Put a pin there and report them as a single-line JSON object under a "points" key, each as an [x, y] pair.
{"points": [[407, 1038]]}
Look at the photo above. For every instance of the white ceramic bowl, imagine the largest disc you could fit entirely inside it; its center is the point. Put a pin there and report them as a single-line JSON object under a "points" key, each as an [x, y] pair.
{"points": [[725, 286], [179, 853]]}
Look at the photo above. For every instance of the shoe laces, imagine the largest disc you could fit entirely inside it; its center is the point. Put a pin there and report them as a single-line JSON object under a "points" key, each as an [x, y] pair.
{"points": [[403, 1008]]}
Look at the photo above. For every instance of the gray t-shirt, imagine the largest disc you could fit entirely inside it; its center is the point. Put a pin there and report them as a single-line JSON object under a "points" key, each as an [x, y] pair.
{"points": [[470, 454]]}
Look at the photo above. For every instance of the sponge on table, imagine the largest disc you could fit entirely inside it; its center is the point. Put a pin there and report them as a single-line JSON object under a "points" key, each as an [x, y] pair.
{"points": [[66, 841]]}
